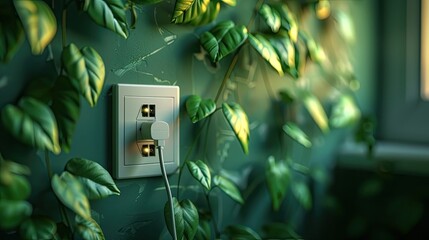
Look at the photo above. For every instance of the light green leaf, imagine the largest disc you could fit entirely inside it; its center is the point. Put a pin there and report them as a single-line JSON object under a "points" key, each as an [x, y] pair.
{"points": [[86, 67], [186, 217], [345, 112], [241, 232], [198, 109], [302, 194], [188, 10], [297, 134], [271, 17], [266, 50], [230, 2], [38, 228], [229, 188], [9, 169], [12, 213], [223, 39], [208, 16], [287, 54], [278, 177], [96, 180], [238, 121], [32, 123], [70, 192], [110, 14], [315, 108], [66, 108], [39, 23], [280, 231], [88, 229], [314, 51], [11, 34], [18, 189], [201, 172]]}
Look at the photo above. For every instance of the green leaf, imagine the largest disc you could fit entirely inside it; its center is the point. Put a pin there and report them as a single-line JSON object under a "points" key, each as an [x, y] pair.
{"points": [[278, 177], [110, 14], [198, 109], [345, 112], [280, 231], [297, 134], [11, 37], [302, 194], [287, 54], [39, 23], [230, 2], [32, 123], [86, 67], [271, 16], [12, 213], [88, 229], [314, 51], [208, 16], [267, 52], [186, 217], [96, 180], [223, 39], [18, 189], [204, 230], [229, 188], [187, 10], [146, 2], [239, 232], [201, 172], [70, 192], [38, 228], [238, 121], [66, 108], [40, 88], [289, 22], [9, 169], [315, 108]]}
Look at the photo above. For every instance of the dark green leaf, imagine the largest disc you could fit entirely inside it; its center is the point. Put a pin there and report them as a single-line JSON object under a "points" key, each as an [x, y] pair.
{"points": [[266, 50], [297, 134], [223, 39], [287, 54], [18, 189], [208, 16], [271, 17], [280, 231], [238, 232], [146, 2], [110, 14], [315, 108], [188, 10], [186, 217], [96, 180], [286, 96], [278, 177], [86, 67], [41, 88], [230, 2], [229, 188], [11, 37], [204, 230], [12, 213], [66, 108], [8, 170], [302, 194], [345, 112], [134, 15], [289, 22], [238, 121], [39, 23], [33, 123], [201, 172], [38, 228], [88, 229], [198, 109], [70, 192]]}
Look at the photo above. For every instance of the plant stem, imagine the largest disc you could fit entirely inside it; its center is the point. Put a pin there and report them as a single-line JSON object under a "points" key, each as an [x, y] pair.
{"points": [[48, 164], [227, 75], [267, 82], [255, 13], [63, 26], [215, 226]]}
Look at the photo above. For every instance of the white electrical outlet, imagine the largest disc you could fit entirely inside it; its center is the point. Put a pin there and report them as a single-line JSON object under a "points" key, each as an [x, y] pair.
{"points": [[135, 108]]}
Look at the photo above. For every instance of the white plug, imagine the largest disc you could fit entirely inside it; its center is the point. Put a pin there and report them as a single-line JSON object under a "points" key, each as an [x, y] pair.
{"points": [[160, 131]]}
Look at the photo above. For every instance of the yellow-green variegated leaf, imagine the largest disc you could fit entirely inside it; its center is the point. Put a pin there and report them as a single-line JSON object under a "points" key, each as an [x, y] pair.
{"points": [[239, 123], [187, 10], [271, 17], [266, 50], [208, 16], [88, 228], [286, 51], [230, 2], [39, 23], [289, 22], [199, 108], [297, 134], [315, 108], [110, 14], [345, 112]]}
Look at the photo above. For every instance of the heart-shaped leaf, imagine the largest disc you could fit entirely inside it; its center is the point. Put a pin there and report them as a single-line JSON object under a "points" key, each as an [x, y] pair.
{"points": [[38, 228], [70, 192], [213, 9], [86, 67], [223, 39], [96, 180], [33, 123], [271, 16], [229, 188], [188, 10], [66, 108], [12, 213], [287, 54], [315, 108], [266, 50], [18, 189], [11, 33], [230, 2], [241, 232], [345, 112], [186, 218], [110, 14], [88, 228], [9, 169], [278, 177], [201, 172], [297, 134], [280, 231], [39, 23], [238, 121], [198, 109], [302, 193]]}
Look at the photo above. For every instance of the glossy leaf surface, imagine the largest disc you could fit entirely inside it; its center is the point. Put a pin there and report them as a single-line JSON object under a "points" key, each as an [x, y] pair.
{"points": [[278, 176], [289, 22], [315, 108], [12, 213], [230, 2], [241, 232], [229, 188], [266, 50], [239, 122], [297, 134], [201, 172], [33, 123], [199, 108], [96, 181], [38, 228], [302, 194], [187, 10], [39, 23], [287, 54], [345, 112], [271, 17], [88, 229], [186, 217], [213, 9]]}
